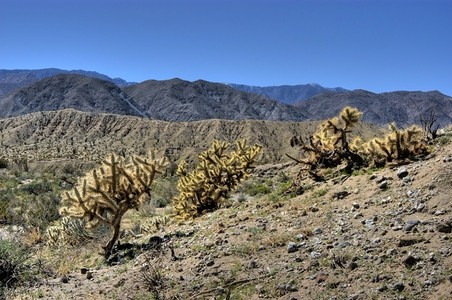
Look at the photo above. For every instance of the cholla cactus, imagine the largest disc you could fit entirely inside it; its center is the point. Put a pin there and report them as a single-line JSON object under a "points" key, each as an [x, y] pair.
{"points": [[399, 144], [214, 177], [154, 224], [104, 195], [69, 231], [329, 146]]}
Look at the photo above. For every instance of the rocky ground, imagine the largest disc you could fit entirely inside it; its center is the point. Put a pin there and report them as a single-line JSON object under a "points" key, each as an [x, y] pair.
{"points": [[379, 235]]}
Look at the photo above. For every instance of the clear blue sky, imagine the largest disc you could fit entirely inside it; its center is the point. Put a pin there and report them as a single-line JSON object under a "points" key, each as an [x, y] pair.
{"points": [[377, 45]]}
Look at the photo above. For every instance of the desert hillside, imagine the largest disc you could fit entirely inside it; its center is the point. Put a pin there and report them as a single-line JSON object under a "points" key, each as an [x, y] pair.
{"points": [[70, 136], [378, 234]]}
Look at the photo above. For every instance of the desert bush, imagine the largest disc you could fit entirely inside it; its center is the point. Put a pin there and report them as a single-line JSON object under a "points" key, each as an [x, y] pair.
{"points": [[217, 173], [164, 189], [444, 140], [14, 268], [106, 193], [256, 188], [34, 204]]}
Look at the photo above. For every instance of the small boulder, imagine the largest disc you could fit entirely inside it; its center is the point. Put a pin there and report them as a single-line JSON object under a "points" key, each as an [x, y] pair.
{"points": [[292, 247], [443, 227], [380, 179], [383, 185], [399, 286], [340, 194], [410, 224], [409, 240], [402, 172], [409, 261]]}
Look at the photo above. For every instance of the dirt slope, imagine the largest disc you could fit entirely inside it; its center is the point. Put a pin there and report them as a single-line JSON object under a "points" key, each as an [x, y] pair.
{"points": [[374, 243]]}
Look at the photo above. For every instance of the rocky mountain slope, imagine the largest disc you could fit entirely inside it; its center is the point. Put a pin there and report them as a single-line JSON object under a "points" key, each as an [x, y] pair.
{"points": [[347, 238], [402, 106], [179, 100], [13, 79], [287, 93], [68, 91]]}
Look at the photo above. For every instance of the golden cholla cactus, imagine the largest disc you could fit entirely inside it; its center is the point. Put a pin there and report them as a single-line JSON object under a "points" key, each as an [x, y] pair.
{"points": [[406, 143], [329, 147], [105, 194], [218, 172], [350, 116]]}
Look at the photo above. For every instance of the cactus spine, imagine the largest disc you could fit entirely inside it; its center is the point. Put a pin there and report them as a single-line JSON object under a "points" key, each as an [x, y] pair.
{"points": [[213, 178], [104, 195]]}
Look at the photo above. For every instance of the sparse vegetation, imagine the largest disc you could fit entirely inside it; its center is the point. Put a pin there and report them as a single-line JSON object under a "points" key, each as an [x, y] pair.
{"points": [[14, 265]]}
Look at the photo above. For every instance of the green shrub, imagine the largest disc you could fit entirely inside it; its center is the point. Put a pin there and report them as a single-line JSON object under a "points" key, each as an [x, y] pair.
{"points": [[444, 140], [319, 192], [258, 188], [13, 265]]}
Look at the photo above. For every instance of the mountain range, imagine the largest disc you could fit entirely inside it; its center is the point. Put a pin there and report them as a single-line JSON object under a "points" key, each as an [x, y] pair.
{"points": [[178, 100], [13, 79], [287, 93]]}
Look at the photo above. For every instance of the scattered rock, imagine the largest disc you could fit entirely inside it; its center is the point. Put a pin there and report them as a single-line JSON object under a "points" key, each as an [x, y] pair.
{"points": [[210, 263], [383, 288], [253, 265], [259, 289], [443, 227], [64, 279], [410, 224], [402, 172], [119, 283], [292, 247], [391, 251], [314, 209], [409, 261], [380, 179], [340, 194], [83, 270], [89, 275], [299, 237], [408, 179], [383, 185], [317, 230], [352, 265], [409, 240], [399, 286], [315, 254]]}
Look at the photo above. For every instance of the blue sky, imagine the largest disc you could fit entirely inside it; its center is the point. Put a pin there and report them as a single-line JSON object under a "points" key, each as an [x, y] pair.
{"points": [[377, 45]]}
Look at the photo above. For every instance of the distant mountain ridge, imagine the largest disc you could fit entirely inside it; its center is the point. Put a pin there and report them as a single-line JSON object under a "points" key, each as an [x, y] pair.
{"points": [[287, 93], [180, 100], [169, 100], [13, 79], [68, 91]]}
